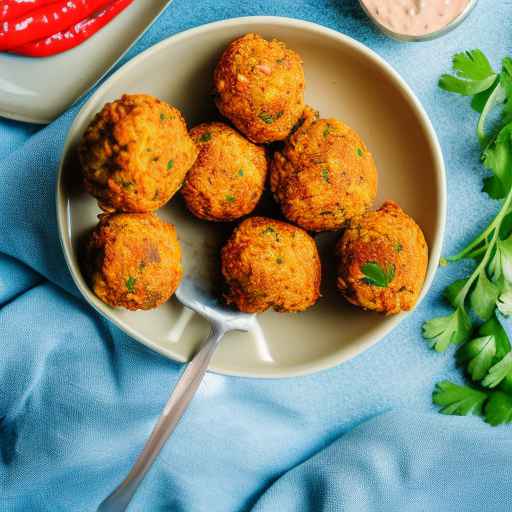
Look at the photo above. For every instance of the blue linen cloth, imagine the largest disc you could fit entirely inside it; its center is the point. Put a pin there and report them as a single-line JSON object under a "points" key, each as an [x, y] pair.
{"points": [[78, 397]]}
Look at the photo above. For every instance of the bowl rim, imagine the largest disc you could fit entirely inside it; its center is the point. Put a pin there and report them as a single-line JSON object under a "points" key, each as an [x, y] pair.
{"points": [[335, 358]]}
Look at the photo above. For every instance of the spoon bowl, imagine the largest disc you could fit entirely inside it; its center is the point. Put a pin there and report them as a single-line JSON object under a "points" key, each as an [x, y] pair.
{"points": [[194, 295]]}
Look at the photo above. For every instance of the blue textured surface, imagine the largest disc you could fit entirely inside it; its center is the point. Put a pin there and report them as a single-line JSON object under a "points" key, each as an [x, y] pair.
{"points": [[78, 397]]}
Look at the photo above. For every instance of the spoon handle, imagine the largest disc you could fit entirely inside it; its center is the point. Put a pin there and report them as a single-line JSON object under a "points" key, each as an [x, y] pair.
{"points": [[175, 407]]}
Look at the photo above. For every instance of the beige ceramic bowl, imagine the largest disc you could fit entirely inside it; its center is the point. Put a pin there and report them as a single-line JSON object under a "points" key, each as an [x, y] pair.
{"points": [[343, 79]]}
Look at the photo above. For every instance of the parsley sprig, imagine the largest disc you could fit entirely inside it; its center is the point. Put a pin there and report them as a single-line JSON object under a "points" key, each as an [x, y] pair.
{"points": [[482, 301], [376, 275]]}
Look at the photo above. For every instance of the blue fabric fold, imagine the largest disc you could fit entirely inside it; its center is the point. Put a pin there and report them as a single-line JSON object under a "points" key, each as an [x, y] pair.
{"points": [[78, 397], [402, 462]]}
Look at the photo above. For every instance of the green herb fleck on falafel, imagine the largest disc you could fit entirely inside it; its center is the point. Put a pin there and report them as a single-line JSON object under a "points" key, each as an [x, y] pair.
{"points": [[130, 284], [269, 230], [205, 137], [266, 118]]}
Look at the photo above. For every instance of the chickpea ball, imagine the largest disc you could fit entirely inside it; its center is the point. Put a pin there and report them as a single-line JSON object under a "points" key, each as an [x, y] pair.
{"points": [[270, 264], [382, 260], [260, 87], [135, 154], [228, 177], [133, 260], [324, 175]]}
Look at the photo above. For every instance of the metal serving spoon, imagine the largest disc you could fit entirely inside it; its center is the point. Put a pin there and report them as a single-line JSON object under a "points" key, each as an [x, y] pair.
{"points": [[192, 295]]}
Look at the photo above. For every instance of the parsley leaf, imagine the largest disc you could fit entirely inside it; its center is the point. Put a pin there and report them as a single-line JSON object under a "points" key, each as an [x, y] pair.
{"points": [[473, 74], [500, 265], [484, 296], [494, 328], [170, 165], [498, 409], [472, 65], [376, 275], [479, 354], [458, 400], [442, 331], [452, 292], [498, 372], [230, 198], [497, 157]]}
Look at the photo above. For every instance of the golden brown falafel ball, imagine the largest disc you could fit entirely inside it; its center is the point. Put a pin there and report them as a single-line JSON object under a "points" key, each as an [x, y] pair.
{"points": [[135, 154], [133, 260], [382, 260], [228, 177], [260, 86], [270, 264], [324, 175]]}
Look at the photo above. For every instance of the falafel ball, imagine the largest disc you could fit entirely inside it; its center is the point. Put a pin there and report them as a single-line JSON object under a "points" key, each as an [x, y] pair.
{"points": [[260, 87], [270, 264], [133, 260], [324, 175], [135, 154], [228, 177], [382, 260]]}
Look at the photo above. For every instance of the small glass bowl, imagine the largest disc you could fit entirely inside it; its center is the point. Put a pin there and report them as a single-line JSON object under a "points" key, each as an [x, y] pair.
{"points": [[427, 37]]}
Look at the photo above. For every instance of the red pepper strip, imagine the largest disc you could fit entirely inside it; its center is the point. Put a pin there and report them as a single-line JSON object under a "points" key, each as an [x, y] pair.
{"points": [[12, 9], [74, 36], [46, 21]]}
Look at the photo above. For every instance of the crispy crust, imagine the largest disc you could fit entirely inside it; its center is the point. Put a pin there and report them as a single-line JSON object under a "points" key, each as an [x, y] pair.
{"points": [[324, 176], [270, 264], [390, 238], [260, 87], [228, 177], [135, 154], [133, 260]]}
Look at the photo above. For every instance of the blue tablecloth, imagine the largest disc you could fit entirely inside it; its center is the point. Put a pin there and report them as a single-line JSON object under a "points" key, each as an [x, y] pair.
{"points": [[78, 397]]}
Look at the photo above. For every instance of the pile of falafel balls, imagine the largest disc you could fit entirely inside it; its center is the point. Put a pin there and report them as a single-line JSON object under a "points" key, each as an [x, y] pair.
{"points": [[137, 153]]}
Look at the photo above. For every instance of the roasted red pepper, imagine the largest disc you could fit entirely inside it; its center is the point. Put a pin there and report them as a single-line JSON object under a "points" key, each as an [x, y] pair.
{"points": [[45, 21], [74, 36], [12, 9]]}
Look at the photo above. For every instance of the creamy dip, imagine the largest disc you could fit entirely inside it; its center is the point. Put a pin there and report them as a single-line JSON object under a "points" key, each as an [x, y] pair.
{"points": [[415, 17]]}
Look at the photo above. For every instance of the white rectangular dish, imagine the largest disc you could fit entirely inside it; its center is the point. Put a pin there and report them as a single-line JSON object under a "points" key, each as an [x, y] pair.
{"points": [[37, 90]]}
